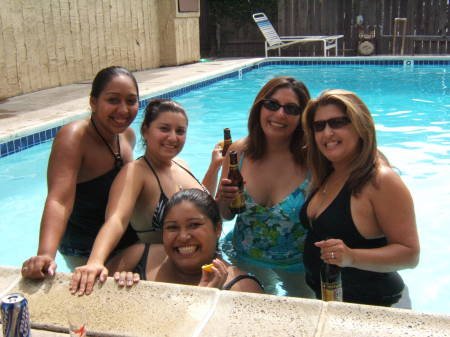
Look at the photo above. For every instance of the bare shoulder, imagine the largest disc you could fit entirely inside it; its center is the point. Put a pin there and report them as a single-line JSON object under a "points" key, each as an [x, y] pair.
{"points": [[239, 146], [386, 185], [245, 284], [387, 178], [130, 136], [73, 132], [181, 162], [135, 169]]}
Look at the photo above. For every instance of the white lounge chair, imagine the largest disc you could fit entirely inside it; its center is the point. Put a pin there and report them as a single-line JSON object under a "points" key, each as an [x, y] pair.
{"points": [[274, 41]]}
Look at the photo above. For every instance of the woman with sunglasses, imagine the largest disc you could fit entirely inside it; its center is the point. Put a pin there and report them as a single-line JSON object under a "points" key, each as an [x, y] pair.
{"points": [[359, 214], [267, 239]]}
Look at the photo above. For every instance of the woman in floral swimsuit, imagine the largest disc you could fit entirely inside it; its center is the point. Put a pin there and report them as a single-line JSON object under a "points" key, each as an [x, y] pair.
{"points": [[267, 239]]}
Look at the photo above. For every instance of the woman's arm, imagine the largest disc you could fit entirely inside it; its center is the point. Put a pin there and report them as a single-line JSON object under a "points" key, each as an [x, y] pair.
{"points": [[62, 173], [124, 192], [394, 211], [210, 179]]}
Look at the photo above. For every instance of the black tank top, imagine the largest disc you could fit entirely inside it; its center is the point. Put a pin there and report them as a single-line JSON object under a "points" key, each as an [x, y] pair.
{"points": [[88, 215], [359, 286]]}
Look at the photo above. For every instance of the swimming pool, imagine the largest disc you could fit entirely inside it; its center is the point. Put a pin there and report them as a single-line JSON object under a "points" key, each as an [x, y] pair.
{"points": [[410, 105]]}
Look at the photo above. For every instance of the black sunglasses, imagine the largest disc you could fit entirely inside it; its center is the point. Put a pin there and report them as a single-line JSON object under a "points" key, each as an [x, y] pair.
{"points": [[289, 109], [334, 123]]}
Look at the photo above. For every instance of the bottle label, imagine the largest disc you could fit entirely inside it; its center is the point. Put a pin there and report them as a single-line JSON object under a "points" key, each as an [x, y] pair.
{"points": [[239, 201], [332, 291]]}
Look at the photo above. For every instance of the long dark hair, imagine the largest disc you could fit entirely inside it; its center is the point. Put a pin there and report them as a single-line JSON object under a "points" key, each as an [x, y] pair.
{"points": [[105, 75], [158, 106], [257, 144], [202, 200]]}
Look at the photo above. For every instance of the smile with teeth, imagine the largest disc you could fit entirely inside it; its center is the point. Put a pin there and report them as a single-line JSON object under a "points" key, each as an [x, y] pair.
{"points": [[332, 144], [120, 121], [278, 125], [187, 250]]}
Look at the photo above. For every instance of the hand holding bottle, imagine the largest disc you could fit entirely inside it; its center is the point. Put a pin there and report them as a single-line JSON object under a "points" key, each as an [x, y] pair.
{"points": [[335, 251]]}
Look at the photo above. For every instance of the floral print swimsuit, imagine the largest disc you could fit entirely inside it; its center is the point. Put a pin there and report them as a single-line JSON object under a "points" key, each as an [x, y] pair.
{"points": [[270, 237]]}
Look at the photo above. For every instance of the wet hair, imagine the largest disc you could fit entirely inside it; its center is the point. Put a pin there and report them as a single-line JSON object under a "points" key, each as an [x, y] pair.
{"points": [[201, 199], [256, 146], [158, 106], [363, 166], [105, 76]]}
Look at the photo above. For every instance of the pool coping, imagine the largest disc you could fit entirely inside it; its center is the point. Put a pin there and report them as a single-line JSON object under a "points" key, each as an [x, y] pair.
{"points": [[25, 135]]}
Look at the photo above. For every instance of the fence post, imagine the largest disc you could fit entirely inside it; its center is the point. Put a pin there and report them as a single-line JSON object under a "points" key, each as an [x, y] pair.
{"points": [[399, 25]]}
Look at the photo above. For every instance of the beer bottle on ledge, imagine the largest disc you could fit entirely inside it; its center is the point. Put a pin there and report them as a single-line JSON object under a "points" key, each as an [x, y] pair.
{"points": [[331, 283], [226, 141], [238, 204]]}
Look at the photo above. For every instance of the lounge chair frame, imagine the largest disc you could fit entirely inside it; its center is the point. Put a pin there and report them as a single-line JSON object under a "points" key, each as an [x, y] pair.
{"points": [[274, 41]]}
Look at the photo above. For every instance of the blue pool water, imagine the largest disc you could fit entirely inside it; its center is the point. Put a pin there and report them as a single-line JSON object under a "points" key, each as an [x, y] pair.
{"points": [[411, 109]]}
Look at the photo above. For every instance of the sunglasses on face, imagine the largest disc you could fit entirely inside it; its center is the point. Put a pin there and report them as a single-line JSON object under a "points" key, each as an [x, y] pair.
{"points": [[334, 123], [289, 109]]}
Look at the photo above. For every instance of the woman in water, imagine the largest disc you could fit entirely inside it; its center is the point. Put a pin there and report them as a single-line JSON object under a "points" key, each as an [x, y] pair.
{"points": [[86, 156], [142, 189], [191, 230], [359, 215], [267, 238]]}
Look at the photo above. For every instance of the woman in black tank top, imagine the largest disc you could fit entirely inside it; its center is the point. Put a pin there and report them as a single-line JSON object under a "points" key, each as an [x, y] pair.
{"points": [[359, 213], [191, 229], [142, 188], [86, 156]]}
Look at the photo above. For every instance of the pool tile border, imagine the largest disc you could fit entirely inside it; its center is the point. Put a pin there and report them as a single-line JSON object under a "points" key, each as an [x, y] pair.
{"points": [[25, 142]]}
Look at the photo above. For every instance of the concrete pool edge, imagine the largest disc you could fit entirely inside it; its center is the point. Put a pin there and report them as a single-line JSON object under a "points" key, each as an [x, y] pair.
{"points": [[177, 310]]}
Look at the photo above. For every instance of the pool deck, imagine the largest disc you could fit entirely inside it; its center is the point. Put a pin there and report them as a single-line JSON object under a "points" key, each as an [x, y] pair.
{"points": [[159, 309], [172, 310], [26, 114]]}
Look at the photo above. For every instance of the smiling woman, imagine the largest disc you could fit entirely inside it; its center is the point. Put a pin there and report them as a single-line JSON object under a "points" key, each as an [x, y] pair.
{"points": [[191, 230], [267, 239], [359, 215], [86, 157], [142, 189]]}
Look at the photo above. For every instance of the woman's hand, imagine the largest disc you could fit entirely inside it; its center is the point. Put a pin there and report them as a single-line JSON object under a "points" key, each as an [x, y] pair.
{"points": [[217, 278], [38, 267], [216, 156], [84, 277], [226, 192], [335, 251], [126, 278]]}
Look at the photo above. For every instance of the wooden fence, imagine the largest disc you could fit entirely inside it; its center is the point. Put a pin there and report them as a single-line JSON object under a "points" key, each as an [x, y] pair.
{"points": [[368, 27]]}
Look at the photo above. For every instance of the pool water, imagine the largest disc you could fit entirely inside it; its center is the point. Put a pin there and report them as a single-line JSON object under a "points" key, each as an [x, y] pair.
{"points": [[410, 106]]}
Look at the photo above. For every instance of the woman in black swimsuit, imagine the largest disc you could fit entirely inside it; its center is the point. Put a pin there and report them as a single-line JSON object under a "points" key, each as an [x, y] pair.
{"points": [[141, 190], [86, 156], [191, 229], [360, 214]]}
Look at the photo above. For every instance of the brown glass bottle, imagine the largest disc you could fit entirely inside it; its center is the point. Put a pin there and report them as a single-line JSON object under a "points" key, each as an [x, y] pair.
{"points": [[238, 204], [226, 141], [331, 282]]}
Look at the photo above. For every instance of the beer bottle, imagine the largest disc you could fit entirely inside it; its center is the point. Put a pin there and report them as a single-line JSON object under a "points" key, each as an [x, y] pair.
{"points": [[238, 204], [226, 141], [331, 283]]}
